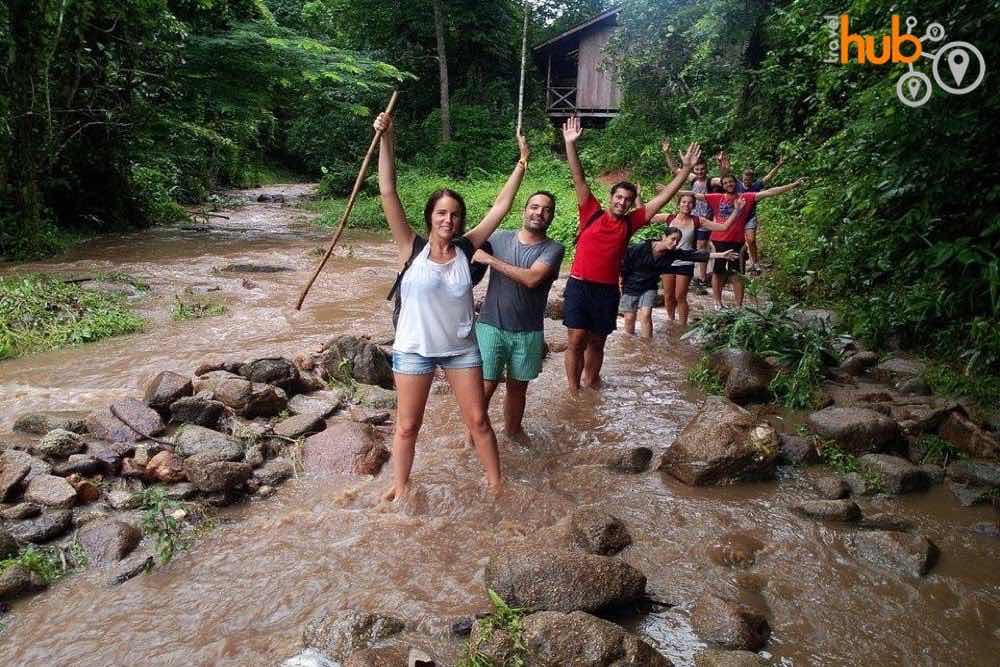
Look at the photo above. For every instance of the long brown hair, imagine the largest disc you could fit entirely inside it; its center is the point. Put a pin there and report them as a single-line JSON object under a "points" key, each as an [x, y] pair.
{"points": [[432, 202]]}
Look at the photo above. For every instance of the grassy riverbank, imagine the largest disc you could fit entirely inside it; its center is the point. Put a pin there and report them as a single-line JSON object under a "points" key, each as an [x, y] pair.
{"points": [[39, 313]]}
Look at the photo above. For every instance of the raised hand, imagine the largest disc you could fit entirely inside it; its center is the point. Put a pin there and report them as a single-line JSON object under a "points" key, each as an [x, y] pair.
{"points": [[724, 163], [691, 156], [572, 130], [383, 123], [740, 203], [522, 145]]}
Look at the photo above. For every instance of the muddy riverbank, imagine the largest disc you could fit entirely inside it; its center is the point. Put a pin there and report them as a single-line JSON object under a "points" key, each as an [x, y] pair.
{"points": [[244, 592]]}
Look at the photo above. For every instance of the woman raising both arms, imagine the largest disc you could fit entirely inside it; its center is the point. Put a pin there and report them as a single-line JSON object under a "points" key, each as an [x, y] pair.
{"points": [[677, 280], [434, 329]]}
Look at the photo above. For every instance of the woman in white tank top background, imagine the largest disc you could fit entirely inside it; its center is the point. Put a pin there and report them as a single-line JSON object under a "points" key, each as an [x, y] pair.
{"points": [[435, 320]]}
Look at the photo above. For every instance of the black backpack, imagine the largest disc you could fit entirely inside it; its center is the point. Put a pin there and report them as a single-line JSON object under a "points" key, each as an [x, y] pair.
{"points": [[476, 270]]}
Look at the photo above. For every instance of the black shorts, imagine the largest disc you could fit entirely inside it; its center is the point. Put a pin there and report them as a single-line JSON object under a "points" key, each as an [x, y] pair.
{"points": [[702, 234], [591, 306], [680, 270], [725, 267]]}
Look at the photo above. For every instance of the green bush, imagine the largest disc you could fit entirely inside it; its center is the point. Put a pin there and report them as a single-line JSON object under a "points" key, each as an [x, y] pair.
{"points": [[39, 313]]}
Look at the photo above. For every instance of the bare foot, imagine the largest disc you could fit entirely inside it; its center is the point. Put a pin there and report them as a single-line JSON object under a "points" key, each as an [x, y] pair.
{"points": [[394, 494], [520, 438]]}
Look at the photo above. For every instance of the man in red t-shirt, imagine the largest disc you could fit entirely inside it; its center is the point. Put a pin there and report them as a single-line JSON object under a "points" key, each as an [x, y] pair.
{"points": [[590, 310], [722, 205]]}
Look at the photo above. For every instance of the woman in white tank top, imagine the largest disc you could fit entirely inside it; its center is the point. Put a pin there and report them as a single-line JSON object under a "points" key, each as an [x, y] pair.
{"points": [[436, 314]]}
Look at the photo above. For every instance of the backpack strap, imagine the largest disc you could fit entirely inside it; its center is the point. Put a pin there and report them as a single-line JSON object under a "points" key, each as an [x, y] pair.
{"points": [[591, 220], [418, 244]]}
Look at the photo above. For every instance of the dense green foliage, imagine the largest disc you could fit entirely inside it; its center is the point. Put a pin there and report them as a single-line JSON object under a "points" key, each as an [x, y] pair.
{"points": [[42, 313], [880, 232], [115, 111], [800, 347]]}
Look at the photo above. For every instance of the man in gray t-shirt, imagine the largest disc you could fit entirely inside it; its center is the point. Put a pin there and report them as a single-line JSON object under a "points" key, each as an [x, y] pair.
{"points": [[523, 266]]}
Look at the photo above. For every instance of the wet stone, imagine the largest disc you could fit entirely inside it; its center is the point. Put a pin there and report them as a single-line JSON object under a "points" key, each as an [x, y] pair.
{"points": [[50, 491], [309, 658], [583, 640], [728, 625], [191, 440], [109, 541], [969, 495], [717, 658], [371, 396], [8, 545], [368, 415], [16, 581], [831, 488], [902, 553], [300, 425], [885, 521], [978, 472], [40, 423], [60, 444], [858, 363], [20, 511], [796, 450], [181, 491], [77, 464], [855, 430], [130, 567], [122, 499], [13, 471], [987, 528], [598, 532], [342, 632], [46, 526], [319, 403], [274, 472], [104, 425], [166, 388], [828, 510], [896, 475], [277, 371], [632, 461], [197, 410], [213, 476], [859, 485]]}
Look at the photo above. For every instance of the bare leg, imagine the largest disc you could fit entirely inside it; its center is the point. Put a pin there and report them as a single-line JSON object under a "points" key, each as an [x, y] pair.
{"points": [[573, 357], [629, 323], [738, 285], [717, 282], [593, 359], [751, 239], [669, 297], [411, 400], [467, 385], [513, 410], [646, 322], [489, 388], [701, 267], [681, 296]]}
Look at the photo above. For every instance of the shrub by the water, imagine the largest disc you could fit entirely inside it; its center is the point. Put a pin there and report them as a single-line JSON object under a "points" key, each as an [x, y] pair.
{"points": [[39, 312]]}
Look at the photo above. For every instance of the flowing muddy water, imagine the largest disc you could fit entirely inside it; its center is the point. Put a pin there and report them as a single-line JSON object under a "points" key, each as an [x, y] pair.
{"points": [[243, 593]]}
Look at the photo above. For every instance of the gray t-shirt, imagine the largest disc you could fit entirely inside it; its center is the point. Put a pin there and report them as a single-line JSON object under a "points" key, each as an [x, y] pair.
{"points": [[509, 305]]}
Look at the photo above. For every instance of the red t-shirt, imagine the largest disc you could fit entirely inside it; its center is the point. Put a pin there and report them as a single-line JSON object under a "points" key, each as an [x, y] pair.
{"points": [[721, 204], [601, 246]]}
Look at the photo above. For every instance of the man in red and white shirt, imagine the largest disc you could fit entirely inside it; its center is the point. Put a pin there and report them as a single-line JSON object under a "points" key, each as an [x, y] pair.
{"points": [[590, 310], [722, 204]]}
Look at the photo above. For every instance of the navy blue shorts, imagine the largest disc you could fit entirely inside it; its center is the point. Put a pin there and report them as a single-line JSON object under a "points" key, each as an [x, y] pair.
{"points": [[591, 306], [702, 234]]}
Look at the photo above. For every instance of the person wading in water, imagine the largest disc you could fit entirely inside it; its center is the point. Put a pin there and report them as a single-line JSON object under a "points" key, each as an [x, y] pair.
{"points": [[434, 329], [591, 297], [523, 266]]}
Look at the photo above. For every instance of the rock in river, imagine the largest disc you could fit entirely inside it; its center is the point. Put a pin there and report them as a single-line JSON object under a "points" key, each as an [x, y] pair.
{"points": [[555, 639], [60, 444], [895, 475], [46, 526], [855, 430], [50, 491], [829, 510], [109, 540], [722, 445], [165, 389], [903, 553], [727, 624], [365, 361], [555, 580], [597, 532], [342, 632], [347, 448], [106, 426], [746, 376], [190, 440]]}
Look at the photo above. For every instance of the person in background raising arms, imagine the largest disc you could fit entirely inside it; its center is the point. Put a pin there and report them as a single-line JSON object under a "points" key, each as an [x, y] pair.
{"points": [[591, 297]]}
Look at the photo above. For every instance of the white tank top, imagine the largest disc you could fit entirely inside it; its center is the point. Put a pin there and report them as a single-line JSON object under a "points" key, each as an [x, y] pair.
{"points": [[435, 318]]}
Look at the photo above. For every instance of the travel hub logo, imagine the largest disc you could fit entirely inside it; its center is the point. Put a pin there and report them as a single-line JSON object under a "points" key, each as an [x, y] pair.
{"points": [[957, 67]]}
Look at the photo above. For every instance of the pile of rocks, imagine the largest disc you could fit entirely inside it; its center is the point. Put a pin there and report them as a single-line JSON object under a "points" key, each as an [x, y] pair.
{"points": [[233, 429], [560, 587]]}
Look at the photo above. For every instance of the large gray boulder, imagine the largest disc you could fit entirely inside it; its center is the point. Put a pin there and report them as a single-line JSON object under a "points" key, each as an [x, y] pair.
{"points": [[340, 633], [859, 362], [902, 553], [40, 423], [50, 491], [278, 371], [42, 528], [104, 425], [597, 532], [745, 375], [246, 398], [201, 410], [978, 472], [15, 457], [722, 445], [300, 425], [895, 475], [319, 403], [828, 510], [165, 389], [853, 429], [190, 440], [365, 361], [16, 581], [209, 475], [347, 448], [109, 540], [554, 639], [895, 369], [274, 472], [543, 579], [962, 432], [60, 444], [13, 471], [728, 625]]}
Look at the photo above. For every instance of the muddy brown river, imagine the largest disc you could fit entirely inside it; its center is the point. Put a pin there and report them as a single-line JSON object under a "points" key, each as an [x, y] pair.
{"points": [[243, 593]]}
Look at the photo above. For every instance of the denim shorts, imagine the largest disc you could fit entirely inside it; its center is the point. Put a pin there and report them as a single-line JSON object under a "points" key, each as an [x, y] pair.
{"points": [[411, 363], [629, 303]]}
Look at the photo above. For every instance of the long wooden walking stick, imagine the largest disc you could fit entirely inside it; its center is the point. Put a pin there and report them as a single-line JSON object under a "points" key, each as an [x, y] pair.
{"points": [[520, 88], [350, 202]]}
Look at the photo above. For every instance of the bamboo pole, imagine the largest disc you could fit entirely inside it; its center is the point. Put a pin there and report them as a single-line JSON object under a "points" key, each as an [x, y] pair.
{"points": [[350, 202], [520, 88]]}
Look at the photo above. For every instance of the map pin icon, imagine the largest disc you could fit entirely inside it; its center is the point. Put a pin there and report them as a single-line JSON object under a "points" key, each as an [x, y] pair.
{"points": [[914, 86], [958, 63]]}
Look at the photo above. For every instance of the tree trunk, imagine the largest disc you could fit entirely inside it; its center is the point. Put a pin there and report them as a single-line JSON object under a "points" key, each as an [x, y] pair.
{"points": [[33, 30], [442, 72]]}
